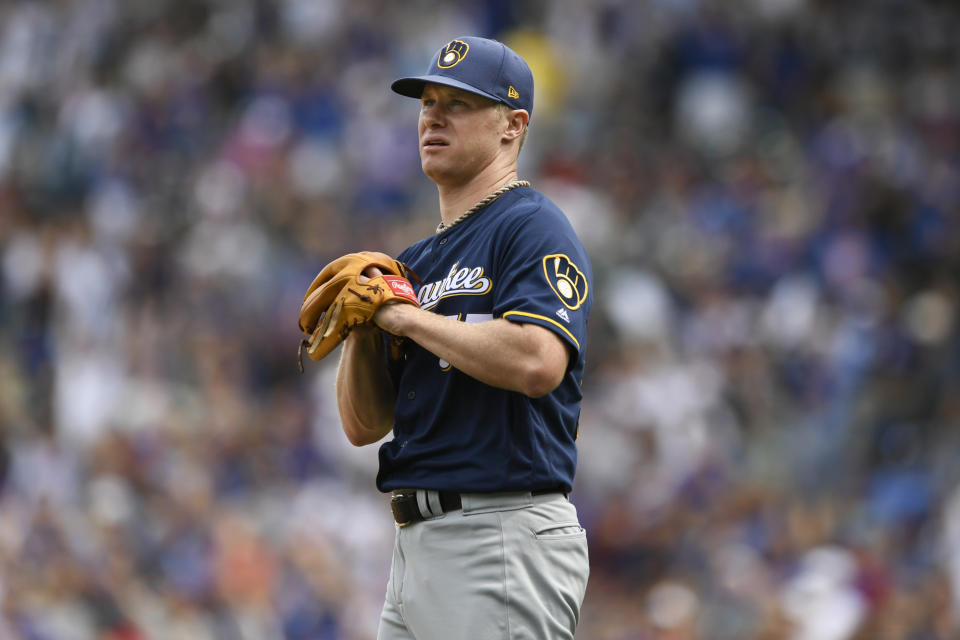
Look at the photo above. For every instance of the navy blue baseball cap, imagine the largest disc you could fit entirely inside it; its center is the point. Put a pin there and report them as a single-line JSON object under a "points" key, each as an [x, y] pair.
{"points": [[485, 67]]}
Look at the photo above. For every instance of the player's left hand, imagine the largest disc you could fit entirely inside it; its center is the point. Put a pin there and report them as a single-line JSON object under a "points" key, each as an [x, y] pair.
{"points": [[347, 294], [387, 316]]}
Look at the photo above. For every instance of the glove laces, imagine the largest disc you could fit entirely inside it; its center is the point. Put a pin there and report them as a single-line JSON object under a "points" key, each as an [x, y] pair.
{"points": [[513, 184]]}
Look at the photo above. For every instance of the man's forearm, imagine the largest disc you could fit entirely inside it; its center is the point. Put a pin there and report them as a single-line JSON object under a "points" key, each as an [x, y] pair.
{"points": [[365, 394], [514, 356]]}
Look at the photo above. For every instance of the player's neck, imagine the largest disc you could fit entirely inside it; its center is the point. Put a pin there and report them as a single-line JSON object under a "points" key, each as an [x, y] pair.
{"points": [[455, 199]]}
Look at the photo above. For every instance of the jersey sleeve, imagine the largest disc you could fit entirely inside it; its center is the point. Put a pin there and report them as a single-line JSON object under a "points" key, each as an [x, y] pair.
{"points": [[545, 277]]}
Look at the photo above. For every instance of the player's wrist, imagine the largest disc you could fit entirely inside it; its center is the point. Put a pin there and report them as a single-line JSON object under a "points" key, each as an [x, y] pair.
{"points": [[366, 338], [395, 318]]}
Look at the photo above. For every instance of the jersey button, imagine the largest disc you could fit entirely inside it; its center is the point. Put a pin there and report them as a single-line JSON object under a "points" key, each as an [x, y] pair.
{"points": [[411, 395], [443, 240]]}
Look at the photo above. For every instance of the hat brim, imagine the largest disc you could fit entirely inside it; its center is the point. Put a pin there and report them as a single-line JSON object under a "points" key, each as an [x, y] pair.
{"points": [[413, 87]]}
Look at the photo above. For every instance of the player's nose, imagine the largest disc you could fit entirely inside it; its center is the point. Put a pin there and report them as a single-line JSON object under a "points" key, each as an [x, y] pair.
{"points": [[431, 116]]}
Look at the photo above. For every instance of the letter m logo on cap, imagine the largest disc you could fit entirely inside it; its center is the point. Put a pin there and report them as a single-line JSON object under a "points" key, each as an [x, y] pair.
{"points": [[452, 54]]}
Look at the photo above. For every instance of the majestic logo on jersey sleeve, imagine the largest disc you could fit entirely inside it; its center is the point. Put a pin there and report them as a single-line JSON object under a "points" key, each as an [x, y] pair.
{"points": [[464, 281], [452, 54], [566, 280]]}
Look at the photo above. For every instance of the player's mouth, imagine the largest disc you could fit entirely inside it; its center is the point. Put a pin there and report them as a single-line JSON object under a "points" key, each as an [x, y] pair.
{"points": [[434, 143]]}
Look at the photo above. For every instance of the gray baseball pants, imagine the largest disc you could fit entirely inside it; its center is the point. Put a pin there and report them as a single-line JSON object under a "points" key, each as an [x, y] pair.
{"points": [[509, 566]]}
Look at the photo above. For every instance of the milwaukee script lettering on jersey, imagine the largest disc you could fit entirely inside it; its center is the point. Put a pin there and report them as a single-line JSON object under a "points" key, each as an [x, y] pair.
{"points": [[461, 281]]}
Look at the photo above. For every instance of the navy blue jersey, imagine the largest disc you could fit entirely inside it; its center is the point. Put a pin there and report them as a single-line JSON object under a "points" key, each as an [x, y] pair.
{"points": [[518, 259]]}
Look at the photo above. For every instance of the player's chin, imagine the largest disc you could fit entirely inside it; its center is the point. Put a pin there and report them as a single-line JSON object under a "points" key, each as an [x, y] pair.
{"points": [[437, 170], [430, 155]]}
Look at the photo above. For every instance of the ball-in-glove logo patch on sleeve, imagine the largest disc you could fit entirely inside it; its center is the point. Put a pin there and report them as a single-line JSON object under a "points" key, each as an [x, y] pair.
{"points": [[566, 280]]}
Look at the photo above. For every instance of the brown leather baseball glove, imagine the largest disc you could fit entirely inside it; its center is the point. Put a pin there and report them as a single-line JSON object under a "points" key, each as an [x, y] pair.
{"points": [[336, 302]]}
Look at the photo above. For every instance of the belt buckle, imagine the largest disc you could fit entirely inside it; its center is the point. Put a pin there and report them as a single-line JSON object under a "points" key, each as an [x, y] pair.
{"points": [[395, 500]]}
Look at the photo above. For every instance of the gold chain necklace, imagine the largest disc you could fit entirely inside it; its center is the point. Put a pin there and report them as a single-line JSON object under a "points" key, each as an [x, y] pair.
{"points": [[480, 205]]}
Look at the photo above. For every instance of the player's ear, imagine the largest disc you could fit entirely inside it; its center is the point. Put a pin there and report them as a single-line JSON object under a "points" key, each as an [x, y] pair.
{"points": [[517, 120]]}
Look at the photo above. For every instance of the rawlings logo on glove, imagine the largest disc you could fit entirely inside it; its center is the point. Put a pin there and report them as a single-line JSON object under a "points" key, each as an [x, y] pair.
{"points": [[337, 301]]}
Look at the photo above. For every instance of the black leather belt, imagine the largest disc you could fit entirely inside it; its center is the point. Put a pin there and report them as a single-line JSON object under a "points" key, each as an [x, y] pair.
{"points": [[406, 510]]}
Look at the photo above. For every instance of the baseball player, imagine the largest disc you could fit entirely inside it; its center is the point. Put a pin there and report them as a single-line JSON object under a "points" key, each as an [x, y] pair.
{"points": [[483, 395]]}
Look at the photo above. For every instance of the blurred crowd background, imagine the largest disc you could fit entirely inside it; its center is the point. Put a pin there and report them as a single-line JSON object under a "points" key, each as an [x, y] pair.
{"points": [[770, 192]]}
